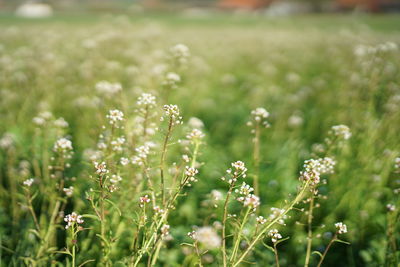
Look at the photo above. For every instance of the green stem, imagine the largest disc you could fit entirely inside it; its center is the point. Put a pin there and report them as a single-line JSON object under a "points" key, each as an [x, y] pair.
{"points": [[309, 235], [236, 246], [326, 250]]}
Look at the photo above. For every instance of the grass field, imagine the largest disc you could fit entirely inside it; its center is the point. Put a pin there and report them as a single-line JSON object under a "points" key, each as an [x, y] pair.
{"points": [[309, 73]]}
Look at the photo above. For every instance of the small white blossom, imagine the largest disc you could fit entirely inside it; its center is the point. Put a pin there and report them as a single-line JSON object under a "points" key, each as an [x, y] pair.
{"points": [[390, 207], [115, 116], [68, 191], [261, 220], [278, 213], [146, 100], [208, 237], [73, 218], [29, 182], [165, 230], [108, 89], [341, 228], [341, 131], [275, 235], [101, 168]]}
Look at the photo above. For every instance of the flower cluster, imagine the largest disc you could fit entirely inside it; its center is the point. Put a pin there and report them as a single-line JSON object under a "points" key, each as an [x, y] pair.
{"points": [[101, 168], [117, 144], [195, 135], [28, 182], [69, 191], [172, 111], [261, 220], [390, 207], [165, 230], [364, 50], [72, 219], [144, 200], [208, 237], [239, 169], [191, 173], [142, 153], [259, 116], [275, 235], [7, 140], [278, 213], [43, 118], [108, 89], [341, 228], [146, 100], [63, 146], [341, 131], [180, 53], [171, 80], [115, 116]]}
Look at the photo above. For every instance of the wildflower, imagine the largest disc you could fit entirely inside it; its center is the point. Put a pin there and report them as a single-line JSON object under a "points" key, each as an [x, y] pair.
{"points": [[172, 111], [185, 158], [108, 89], [143, 200], [7, 140], [195, 123], [341, 131], [62, 145], [259, 115], [158, 210], [195, 135], [397, 164], [278, 213], [275, 235], [252, 201], [118, 143], [390, 207], [72, 219], [171, 80], [239, 169], [244, 189], [115, 116], [115, 179], [68, 191], [165, 230], [29, 182], [192, 235], [341, 228], [261, 220], [180, 53], [101, 168], [208, 237], [146, 100], [142, 153], [216, 195], [124, 161], [61, 123], [311, 175], [190, 172]]}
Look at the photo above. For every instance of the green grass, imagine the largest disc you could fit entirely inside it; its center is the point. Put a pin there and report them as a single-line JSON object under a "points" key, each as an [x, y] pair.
{"points": [[301, 66]]}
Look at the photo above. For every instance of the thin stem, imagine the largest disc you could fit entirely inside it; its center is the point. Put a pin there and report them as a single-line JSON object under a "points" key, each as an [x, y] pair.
{"points": [[31, 210], [309, 234], [224, 254], [237, 242], [267, 227], [276, 255], [256, 159], [198, 253], [326, 250], [163, 154]]}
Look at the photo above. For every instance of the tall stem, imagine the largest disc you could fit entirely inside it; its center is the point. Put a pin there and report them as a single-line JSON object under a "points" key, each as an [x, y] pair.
{"points": [[256, 159], [163, 154], [309, 234], [239, 235], [326, 250], [276, 255], [224, 254]]}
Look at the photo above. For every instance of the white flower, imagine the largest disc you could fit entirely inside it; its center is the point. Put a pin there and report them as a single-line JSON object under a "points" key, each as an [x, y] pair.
{"points": [[278, 213], [252, 201], [172, 111], [194, 135], [390, 207], [208, 237], [63, 145], [239, 169], [73, 218], [68, 191], [143, 200], [275, 235], [341, 131], [171, 80], [244, 189], [341, 228], [146, 100], [7, 140], [101, 168], [115, 116], [61, 122], [216, 195], [165, 230], [115, 179], [195, 123], [261, 220], [29, 182], [180, 52], [124, 161], [108, 89]]}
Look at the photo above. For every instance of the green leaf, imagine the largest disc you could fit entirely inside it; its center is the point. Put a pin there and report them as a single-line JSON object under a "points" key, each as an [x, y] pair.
{"points": [[91, 216], [115, 206], [341, 241], [85, 262], [317, 252]]}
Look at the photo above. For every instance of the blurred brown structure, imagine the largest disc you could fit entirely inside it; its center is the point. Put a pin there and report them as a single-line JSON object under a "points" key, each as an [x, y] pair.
{"points": [[370, 5], [244, 4]]}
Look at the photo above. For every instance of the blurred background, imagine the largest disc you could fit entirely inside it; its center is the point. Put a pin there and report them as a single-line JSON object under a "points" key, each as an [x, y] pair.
{"points": [[44, 8]]}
